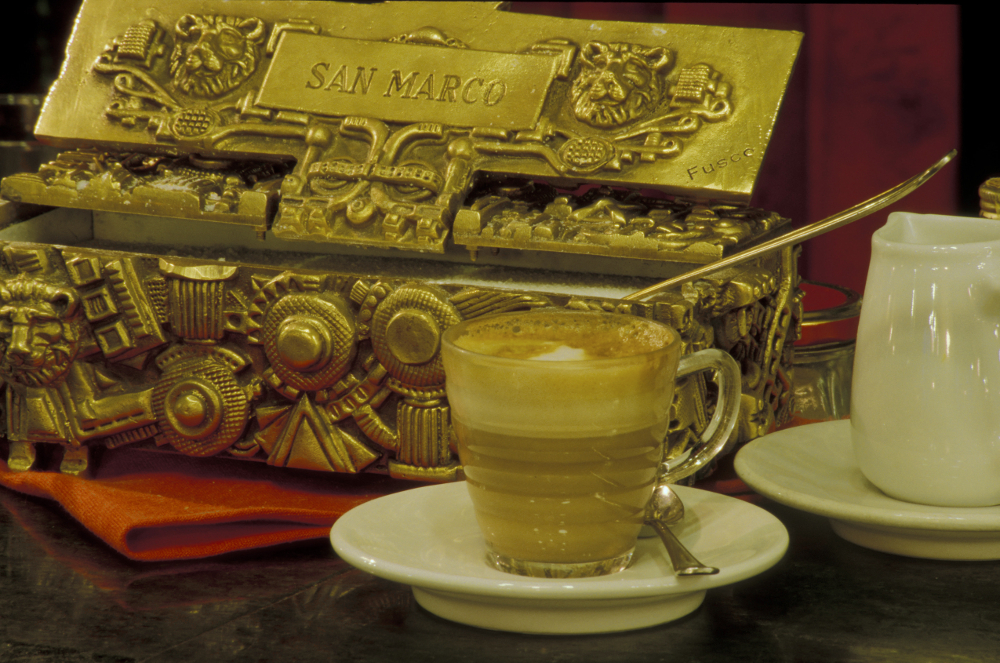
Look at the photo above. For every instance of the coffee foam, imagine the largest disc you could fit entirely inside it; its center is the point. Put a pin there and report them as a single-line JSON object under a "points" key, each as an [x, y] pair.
{"points": [[564, 336], [563, 398], [563, 353]]}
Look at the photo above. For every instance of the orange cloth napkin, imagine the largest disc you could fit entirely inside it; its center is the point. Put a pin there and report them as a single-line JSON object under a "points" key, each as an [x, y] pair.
{"points": [[47, 544], [155, 506]]}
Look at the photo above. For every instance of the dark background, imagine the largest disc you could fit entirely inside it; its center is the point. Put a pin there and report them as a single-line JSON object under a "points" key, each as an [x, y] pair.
{"points": [[36, 31]]}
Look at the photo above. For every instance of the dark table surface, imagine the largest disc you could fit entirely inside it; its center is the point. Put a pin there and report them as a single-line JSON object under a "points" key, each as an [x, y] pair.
{"points": [[65, 596]]}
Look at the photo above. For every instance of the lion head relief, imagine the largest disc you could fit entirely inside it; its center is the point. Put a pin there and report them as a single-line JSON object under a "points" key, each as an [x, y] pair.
{"points": [[39, 338], [618, 82], [214, 55]]}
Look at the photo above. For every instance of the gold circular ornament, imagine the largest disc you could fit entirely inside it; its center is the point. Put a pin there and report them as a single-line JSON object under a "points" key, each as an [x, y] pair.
{"points": [[406, 334], [304, 343], [200, 407], [413, 336], [193, 408], [309, 339]]}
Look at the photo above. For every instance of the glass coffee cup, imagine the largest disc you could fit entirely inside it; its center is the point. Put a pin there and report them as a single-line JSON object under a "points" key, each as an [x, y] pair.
{"points": [[561, 418]]}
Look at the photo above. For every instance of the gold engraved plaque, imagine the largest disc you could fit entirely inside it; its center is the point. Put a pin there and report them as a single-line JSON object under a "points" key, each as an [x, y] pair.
{"points": [[407, 83]]}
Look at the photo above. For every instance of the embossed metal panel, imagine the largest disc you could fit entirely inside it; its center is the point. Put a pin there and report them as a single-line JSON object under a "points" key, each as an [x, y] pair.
{"points": [[688, 109]]}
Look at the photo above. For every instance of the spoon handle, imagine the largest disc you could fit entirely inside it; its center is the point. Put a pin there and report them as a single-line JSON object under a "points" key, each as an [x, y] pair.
{"points": [[685, 564], [816, 229]]}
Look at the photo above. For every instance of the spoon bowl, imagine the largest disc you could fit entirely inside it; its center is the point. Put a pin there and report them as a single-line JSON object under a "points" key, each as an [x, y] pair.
{"points": [[665, 508]]}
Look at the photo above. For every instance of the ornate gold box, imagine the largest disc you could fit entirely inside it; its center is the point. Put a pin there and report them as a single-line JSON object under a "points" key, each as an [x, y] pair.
{"points": [[268, 212]]}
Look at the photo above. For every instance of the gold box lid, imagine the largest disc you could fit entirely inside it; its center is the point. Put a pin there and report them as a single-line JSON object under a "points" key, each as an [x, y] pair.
{"points": [[397, 125]]}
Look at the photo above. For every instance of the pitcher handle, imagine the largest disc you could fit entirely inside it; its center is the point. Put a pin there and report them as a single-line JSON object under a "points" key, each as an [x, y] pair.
{"points": [[727, 409]]}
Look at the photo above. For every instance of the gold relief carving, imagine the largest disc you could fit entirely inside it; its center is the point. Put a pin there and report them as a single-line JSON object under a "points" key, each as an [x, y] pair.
{"points": [[752, 314], [138, 330], [51, 395], [114, 339], [327, 372], [474, 302], [39, 262], [618, 83], [75, 461], [605, 221], [130, 436], [157, 292], [406, 135], [428, 36], [425, 432], [213, 55], [222, 191], [309, 336], [683, 312], [139, 45], [39, 337], [82, 270], [304, 437], [403, 324], [309, 437], [98, 304], [587, 304], [389, 131], [21, 457], [426, 452], [103, 404], [989, 198], [196, 297], [392, 198], [616, 86], [756, 322], [368, 297], [687, 415]]}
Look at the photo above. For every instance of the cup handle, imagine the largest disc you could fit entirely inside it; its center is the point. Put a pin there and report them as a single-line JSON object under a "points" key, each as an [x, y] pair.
{"points": [[727, 410]]}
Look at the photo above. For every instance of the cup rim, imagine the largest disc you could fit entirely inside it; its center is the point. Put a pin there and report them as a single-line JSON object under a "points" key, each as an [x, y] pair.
{"points": [[447, 339]]}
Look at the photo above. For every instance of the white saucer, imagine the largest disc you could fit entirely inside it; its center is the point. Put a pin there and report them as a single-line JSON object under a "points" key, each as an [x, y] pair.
{"points": [[812, 468], [428, 538]]}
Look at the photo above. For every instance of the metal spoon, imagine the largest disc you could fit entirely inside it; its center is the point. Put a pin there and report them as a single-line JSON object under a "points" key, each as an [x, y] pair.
{"points": [[663, 509]]}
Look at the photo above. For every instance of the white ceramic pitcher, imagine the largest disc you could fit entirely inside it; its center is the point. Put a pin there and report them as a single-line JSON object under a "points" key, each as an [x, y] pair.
{"points": [[925, 405]]}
